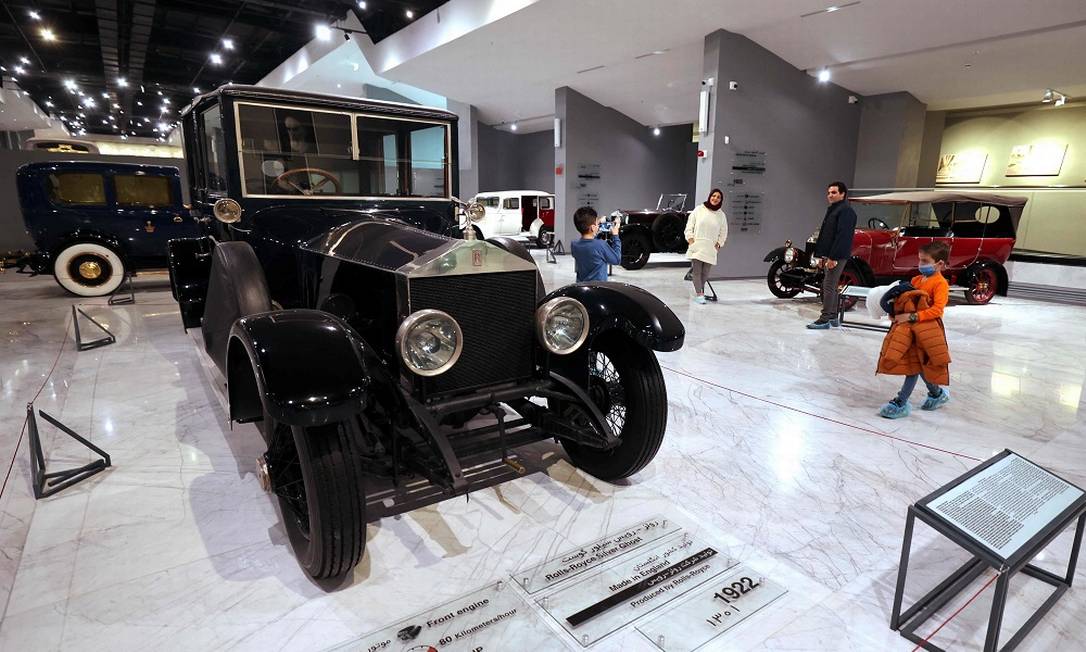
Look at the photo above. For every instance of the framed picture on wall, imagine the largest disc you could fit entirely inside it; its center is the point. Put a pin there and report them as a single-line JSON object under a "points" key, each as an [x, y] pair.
{"points": [[1037, 160], [963, 167]]}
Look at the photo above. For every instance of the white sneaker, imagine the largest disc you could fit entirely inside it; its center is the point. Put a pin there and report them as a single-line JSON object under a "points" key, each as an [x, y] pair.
{"points": [[699, 299]]}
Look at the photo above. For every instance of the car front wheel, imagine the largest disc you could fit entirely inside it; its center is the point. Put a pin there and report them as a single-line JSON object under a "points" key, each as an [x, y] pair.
{"points": [[776, 284], [316, 473], [546, 237], [626, 384], [87, 269]]}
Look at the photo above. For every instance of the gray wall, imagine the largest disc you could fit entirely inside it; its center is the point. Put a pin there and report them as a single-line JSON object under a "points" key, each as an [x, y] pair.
{"points": [[891, 133], [499, 164], [635, 166], [535, 152], [807, 129], [12, 233], [934, 123]]}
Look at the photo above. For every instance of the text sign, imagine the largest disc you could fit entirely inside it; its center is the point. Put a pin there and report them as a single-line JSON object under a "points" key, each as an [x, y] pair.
{"points": [[712, 609], [577, 560], [1006, 504], [641, 582], [492, 619]]}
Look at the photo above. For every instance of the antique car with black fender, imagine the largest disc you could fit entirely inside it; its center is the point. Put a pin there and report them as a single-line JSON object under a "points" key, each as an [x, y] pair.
{"points": [[979, 227], [365, 337], [648, 231]]}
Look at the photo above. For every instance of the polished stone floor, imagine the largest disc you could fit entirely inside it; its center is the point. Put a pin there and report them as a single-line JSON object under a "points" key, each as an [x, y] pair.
{"points": [[774, 449]]}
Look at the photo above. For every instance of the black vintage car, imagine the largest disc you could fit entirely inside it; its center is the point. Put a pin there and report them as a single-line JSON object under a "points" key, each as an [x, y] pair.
{"points": [[351, 321], [648, 231]]}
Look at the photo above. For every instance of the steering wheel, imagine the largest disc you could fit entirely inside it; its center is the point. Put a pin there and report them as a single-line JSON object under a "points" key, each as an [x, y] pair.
{"points": [[876, 223], [283, 182]]}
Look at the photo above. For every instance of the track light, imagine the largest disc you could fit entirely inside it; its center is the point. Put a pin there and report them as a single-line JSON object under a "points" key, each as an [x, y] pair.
{"points": [[824, 75], [1055, 97], [228, 44], [655, 131], [216, 59], [322, 32], [362, 4], [47, 34], [410, 14], [1047, 97], [24, 61], [34, 15]]}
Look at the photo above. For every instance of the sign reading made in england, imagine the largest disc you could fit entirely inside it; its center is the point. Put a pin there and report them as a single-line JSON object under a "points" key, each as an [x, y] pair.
{"points": [[492, 619]]}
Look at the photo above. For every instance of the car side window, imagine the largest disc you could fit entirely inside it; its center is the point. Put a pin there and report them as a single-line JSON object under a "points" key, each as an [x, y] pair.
{"points": [[142, 191], [546, 202], [513, 203], [77, 189], [214, 146]]}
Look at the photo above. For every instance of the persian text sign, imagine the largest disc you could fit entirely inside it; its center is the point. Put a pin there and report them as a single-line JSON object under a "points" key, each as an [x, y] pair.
{"points": [[492, 619], [710, 611], [577, 560]]}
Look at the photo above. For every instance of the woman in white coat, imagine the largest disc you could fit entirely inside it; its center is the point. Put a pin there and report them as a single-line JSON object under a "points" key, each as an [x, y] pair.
{"points": [[706, 232]]}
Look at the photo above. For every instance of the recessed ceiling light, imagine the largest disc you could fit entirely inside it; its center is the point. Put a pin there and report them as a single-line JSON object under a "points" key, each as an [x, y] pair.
{"points": [[25, 61], [513, 127], [362, 4], [105, 96], [655, 131], [322, 32], [116, 106], [228, 43], [34, 15], [49, 104], [216, 59], [824, 75], [47, 34], [88, 102], [831, 9], [19, 70], [165, 101], [138, 103], [196, 89], [122, 82], [105, 122], [410, 14]]}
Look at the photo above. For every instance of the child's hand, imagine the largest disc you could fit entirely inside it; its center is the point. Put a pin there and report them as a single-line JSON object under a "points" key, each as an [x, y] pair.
{"points": [[614, 228], [689, 241]]}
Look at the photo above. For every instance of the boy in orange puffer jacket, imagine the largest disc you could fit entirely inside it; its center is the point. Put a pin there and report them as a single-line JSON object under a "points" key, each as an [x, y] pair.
{"points": [[933, 259]]}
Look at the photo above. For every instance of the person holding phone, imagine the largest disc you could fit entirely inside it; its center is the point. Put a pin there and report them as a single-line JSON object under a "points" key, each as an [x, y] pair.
{"points": [[591, 254]]}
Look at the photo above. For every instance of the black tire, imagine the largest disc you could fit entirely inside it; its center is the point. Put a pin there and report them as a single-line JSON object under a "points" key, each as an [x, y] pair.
{"points": [[772, 279], [635, 251], [236, 288], [317, 475], [545, 239], [669, 232], [627, 385]]}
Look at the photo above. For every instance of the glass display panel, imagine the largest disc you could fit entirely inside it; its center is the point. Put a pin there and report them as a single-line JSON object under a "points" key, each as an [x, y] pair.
{"points": [[82, 188], [142, 191]]}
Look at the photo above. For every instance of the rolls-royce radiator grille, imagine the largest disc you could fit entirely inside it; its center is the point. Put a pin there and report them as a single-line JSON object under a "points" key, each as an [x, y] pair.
{"points": [[496, 311]]}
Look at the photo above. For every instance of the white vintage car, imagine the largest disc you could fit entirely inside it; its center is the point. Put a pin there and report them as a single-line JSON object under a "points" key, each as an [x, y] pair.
{"points": [[522, 214]]}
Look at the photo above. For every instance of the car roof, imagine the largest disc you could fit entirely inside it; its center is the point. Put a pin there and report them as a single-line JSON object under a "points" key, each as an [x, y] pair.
{"points": [[98, 166], [499, 193], [932, 196], [321, 100]]}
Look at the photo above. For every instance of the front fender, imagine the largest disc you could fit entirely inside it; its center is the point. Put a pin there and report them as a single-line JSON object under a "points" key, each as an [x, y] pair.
{"points": [[107, 240], [640, 315], [774, 255], [304, 367]]}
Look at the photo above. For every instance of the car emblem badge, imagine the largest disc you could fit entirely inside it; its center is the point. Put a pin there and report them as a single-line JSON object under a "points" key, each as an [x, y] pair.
{"points": [[477, 257]]}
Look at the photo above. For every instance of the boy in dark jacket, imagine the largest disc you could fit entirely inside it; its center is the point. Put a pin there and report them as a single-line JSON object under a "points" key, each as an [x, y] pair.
{"points": [[590, 254], [833, 248]]}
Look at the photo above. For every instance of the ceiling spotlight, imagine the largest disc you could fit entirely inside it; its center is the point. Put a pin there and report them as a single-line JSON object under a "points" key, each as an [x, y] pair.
{"points": [[49, 104], [47, 34], [160, 93], [410, 14], [322, 32], [19, 70], [25, 61], [122, 82], [105, 122], [105, 96], [830, 10], [138, 103], [228, 44], [116, 106], [146, 120], [165, 101], [162, 126], [824, 75], [88, 102], [513, 127], [34, 15], [1048, 96], [655, 131], [362, 4], [196, 89], [216, 59]]}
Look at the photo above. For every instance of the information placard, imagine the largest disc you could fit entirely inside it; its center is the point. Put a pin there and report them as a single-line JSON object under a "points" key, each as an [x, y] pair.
{"points": [[639, 583], [711, 610], [492, 619], [575, 561], [1006, 504]]}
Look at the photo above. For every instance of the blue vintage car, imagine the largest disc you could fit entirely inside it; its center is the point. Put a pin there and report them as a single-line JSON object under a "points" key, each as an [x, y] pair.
{"points": [[94, 222]]}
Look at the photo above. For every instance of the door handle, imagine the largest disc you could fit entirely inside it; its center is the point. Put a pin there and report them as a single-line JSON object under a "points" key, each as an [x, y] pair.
{"points": [[178, 219]]}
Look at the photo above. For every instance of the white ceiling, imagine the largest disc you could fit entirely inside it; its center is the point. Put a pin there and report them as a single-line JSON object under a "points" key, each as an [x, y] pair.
{"points": [[509, 67]]}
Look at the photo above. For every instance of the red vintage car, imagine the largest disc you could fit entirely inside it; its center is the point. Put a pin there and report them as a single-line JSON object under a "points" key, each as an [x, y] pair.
{"points": [[980, 228]]}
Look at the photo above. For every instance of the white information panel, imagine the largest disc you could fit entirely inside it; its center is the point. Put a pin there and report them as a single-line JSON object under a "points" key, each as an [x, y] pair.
{"points": [[639, 583], [711, 610], [577, 560], [1006, 504], [492, 619]]}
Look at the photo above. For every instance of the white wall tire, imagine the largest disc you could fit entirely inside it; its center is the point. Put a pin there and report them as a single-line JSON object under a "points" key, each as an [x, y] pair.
{"points": [[86, 269]]}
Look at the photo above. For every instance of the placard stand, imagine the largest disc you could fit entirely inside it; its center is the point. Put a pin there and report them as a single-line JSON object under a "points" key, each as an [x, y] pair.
{"points": [[80, 345], [907, 622]]}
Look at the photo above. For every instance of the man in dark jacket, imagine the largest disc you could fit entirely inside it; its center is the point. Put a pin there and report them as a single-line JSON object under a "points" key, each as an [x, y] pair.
{"points": [[833, 248]]}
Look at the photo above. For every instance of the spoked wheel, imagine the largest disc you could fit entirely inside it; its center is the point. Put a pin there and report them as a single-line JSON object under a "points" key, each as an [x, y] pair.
{"points": [[776, 285], [626, 384], [546, 237], [635, 251], [316, 474], [849, 277], [984, 286]]}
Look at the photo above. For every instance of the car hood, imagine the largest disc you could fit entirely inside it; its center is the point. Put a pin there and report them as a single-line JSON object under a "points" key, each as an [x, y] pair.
{"points": [[393, 246]]}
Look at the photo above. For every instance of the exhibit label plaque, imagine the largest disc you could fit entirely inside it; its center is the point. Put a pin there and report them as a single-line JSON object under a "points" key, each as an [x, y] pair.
{"points": [[492, 619], [711, 610], [639, 583], [1006, 504], [577, 560]]}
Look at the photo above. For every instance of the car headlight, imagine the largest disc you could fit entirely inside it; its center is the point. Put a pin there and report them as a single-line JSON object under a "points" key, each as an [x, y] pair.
{"points": [[790, 255], [227, 211], [562, 324], [429, 342]]}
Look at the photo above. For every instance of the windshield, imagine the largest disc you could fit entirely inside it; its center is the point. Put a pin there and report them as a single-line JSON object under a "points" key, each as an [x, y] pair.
{"points": [[299, 152], [875, 216]]}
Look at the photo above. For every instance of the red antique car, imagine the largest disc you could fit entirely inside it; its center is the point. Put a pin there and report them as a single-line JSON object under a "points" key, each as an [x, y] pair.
{"points": [[980, 228]]}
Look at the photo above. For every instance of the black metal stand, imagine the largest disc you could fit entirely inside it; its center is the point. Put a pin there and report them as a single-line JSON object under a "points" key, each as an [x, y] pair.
{"points": [[690, 277], [46, 484], [110, 338], [555, 250], [906, 622], [124, 294]]}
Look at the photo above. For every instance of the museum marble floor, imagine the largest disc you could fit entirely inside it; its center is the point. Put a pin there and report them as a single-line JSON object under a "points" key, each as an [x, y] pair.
{"points": [[774, 450]]}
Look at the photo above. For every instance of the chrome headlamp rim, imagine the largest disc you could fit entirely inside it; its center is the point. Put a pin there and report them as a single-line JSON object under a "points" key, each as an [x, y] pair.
{"points": [[413, 320], [543, 315], [227, 210], [790, 255]]}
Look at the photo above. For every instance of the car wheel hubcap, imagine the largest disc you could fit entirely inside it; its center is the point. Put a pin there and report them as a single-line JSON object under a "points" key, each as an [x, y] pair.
{"points": [[262, 473], [90, 270]]}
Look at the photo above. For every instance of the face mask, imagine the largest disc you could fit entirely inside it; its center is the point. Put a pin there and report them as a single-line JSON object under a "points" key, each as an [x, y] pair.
{"points": [[927, 270]]}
